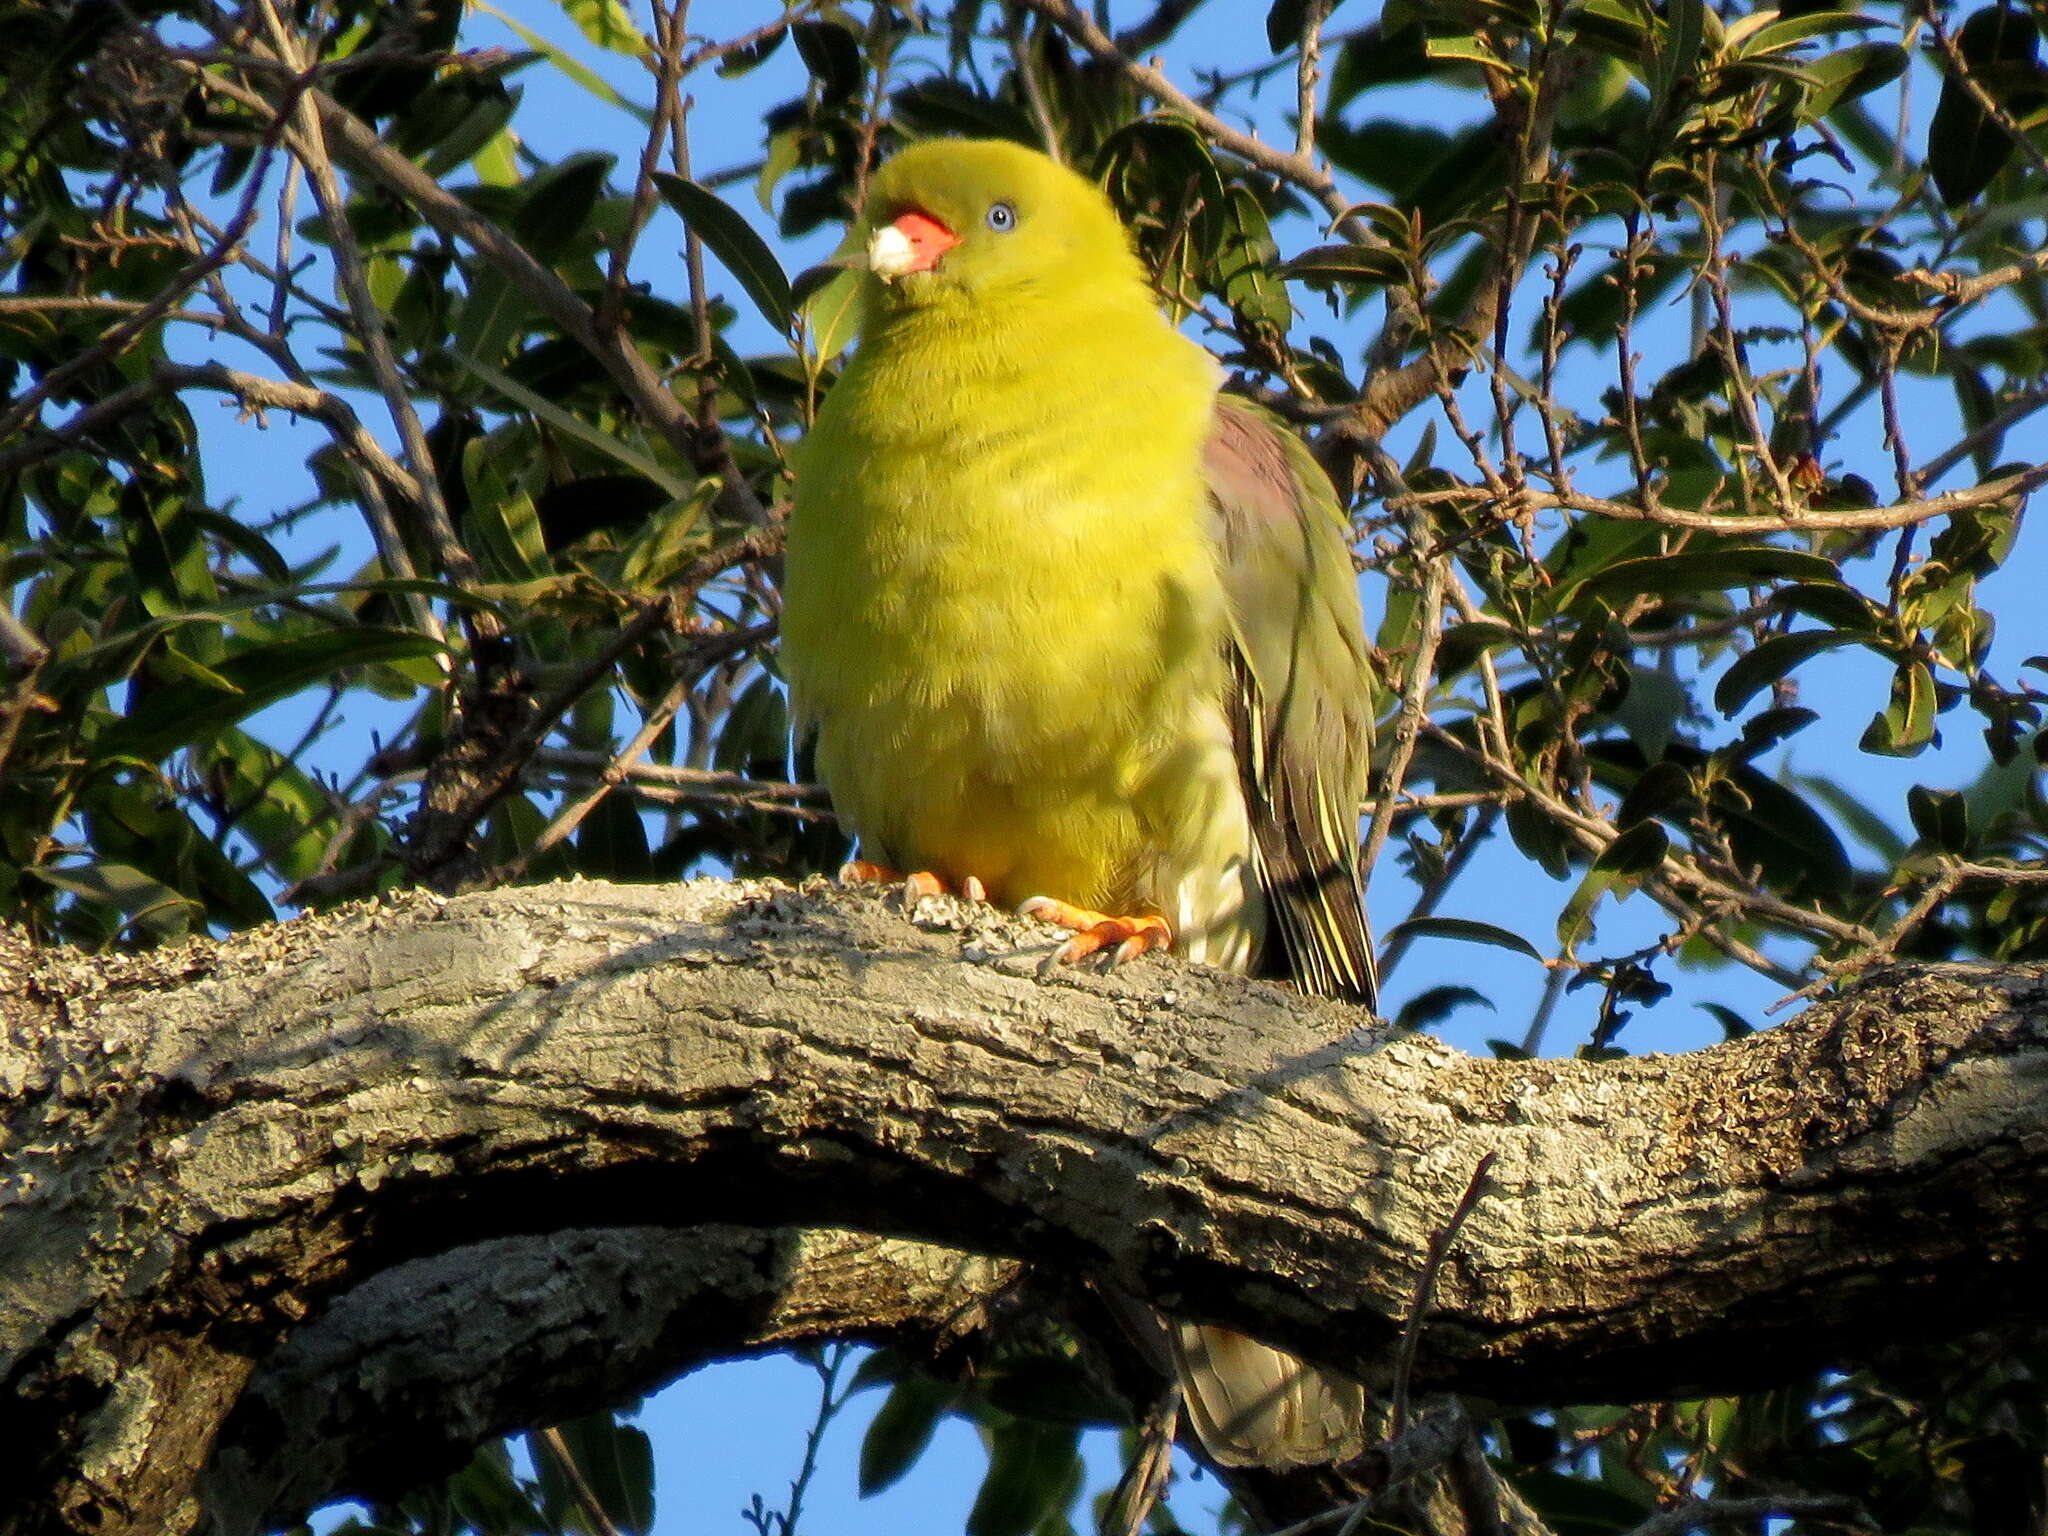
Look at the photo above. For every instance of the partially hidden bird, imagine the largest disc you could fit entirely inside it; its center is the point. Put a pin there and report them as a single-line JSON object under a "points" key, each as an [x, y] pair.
{"points": [[1071, 628]]}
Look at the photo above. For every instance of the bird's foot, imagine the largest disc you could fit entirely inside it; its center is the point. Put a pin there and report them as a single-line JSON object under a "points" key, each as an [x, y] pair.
{"points": [[916, 886], [1125, 938]]}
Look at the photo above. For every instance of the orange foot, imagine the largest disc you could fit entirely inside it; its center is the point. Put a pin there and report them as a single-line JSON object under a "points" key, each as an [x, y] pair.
{"points": [[1095, 931], [915, 886]]}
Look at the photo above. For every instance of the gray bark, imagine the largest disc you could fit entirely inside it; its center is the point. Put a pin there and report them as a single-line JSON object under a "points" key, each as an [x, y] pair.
{"points": [[205, 1148]]}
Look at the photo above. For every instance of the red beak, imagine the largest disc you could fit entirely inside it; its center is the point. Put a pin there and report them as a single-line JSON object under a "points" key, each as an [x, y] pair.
{"points": [[912, 242]]}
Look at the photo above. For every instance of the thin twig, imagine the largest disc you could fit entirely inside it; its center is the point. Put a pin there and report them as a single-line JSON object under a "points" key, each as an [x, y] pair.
{"points": [[1421, 673], [593, 1509], [1434, 890], [119, 337], [310, 144], [1898, 515], [571, 816], [1294, 169], [1425, 1289], [1313, 15], [1032, 87], [252, 390], [668, 44]]}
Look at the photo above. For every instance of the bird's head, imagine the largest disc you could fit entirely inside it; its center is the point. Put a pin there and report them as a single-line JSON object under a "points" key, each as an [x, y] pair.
{"points": [[985, 221]]}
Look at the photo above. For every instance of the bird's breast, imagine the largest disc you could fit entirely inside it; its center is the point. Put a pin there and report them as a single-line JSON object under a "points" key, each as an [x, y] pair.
{"points": [[1002, 604]]}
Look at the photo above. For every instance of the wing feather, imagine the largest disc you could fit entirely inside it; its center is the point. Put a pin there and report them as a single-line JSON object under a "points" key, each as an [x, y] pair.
{"points": [[1300, 703]]}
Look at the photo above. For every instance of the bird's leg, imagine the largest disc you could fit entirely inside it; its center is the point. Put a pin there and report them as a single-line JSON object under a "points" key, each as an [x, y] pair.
{"points": [[1097, 931], [916, 886]]}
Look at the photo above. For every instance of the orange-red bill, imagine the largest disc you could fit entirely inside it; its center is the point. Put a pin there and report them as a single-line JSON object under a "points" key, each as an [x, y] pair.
{"points": [[924, 241]]}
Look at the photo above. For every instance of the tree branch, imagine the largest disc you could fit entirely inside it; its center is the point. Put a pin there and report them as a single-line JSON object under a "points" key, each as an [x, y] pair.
{"points": [[206, 1145], [503, 1335]]}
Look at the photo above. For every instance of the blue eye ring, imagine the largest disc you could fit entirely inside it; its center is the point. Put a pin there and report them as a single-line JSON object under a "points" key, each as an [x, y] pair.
{"points": [[1002, 218]]}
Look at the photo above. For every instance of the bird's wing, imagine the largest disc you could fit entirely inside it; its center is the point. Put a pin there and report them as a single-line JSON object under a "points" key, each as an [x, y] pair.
{"points": [[1301, 704]]}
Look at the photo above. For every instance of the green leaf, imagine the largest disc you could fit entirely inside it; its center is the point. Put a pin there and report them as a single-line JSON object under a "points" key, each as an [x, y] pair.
{"points": [[135, 822], [901, 1429], [1733, 1025], [554, 215], [1162, 174], [1463, 644], [1051, 1388], [489, 1499], [1358, 266], [167, 557], [1621, 865], [1033, 1472], [1435, 1004], [1283, 24], [936, 105], [1249, 278], [1466, 929], [501, 521], [184, 713], [733, 241], [1966, 147], [1906, 725], [577, 427], [1791, 30], [284, 812], [1635, 852], [1577, 1504], [1846, 73], [1539, 838], [676, 532], [571, 67], [607, 23], [1612, 28], [1855, 814], [484, 108], [491, 315], [828, 298], [1833, 603], [1763, 731], [1661, 787], [142, 902], [1759, 668], [1677, 59], [755, 735], [1704, 570], [617, 1463], [1775, 830], [1941, 817], [831, 52], [744, 61], [170, 664]]}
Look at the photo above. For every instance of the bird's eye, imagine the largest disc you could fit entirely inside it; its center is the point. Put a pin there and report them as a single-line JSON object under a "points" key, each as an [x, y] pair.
{"points": [[1002, 218]]}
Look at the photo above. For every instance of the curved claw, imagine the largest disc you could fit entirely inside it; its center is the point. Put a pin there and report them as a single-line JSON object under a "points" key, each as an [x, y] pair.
{"points": [[921, 883], [1125, 937], [916, 885]]}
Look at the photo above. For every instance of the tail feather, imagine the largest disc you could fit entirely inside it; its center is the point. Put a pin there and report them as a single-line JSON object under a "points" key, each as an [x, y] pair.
{"points": [[1254, 1405]]}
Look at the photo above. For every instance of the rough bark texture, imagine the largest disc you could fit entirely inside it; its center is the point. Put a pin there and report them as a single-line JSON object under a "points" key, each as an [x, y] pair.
{"points": [[402, 1378], [204, 1148]]}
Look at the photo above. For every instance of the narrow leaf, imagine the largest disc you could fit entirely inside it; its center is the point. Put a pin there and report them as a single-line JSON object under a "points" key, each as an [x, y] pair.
{"points": [[733, 241], [1468, 930], [1758, 669]]}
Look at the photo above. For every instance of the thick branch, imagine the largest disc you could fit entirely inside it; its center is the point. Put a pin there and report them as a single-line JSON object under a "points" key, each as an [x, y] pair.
{"points": [[403, 1377], [204, 1146]]}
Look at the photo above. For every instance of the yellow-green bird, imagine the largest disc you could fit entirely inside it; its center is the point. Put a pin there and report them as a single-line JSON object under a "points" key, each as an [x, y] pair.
{"points": [[1071, 628]]}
